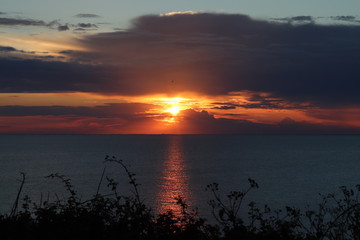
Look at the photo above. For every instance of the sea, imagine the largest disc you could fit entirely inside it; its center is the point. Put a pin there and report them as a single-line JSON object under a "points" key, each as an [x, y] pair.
{"points": [[291, 170]]}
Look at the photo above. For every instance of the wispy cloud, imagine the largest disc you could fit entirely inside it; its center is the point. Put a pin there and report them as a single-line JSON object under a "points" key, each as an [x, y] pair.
{"points": [[351, 19], [179, 13], [23, 22], [55, 24], [86, 15], [86, 25], [296, 19]]}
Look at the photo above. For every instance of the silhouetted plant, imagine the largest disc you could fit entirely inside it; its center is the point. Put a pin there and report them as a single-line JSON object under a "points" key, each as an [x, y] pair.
{"points": [[226, 212], [116, 216], [186, 225], [16, 203], [336, 217]]}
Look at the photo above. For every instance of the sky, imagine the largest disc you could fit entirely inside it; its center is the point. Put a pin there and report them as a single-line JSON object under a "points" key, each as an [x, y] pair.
{"points": [[179, 67]]}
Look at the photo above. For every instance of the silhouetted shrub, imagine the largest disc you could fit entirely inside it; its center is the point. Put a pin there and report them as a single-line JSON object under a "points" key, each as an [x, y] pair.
{"points": [[115, 216]]}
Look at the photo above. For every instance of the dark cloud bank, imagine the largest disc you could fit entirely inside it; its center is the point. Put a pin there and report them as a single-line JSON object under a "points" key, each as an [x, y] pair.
{"points": [[303, 64], [207, 53], [215, 54]]}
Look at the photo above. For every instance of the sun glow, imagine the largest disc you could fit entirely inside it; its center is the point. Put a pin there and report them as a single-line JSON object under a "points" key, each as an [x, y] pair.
{"points": [[175, 105], [172, 107], [174, 110]]}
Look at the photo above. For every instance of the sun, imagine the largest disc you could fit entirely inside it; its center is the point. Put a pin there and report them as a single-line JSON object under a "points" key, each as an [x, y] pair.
{"points": [[174, 110], [174, 105]]}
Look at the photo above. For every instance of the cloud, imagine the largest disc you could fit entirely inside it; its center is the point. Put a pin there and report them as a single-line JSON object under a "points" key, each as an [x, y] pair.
{"points": [[60, 125], [132, 118], [212, 54], [113, 110], [86, 15], [178, 13], [224, 107], [296, 19], [55, 24], [63, 28], [257, 101], [76, 27], [30, 75], [23, 22], [302, 18], [31, 22], [86, 25], [338, 115], [351, 19], [66, 51], [111, 118], [219, 53], [344, 18], [204, 123], [7, 49]]}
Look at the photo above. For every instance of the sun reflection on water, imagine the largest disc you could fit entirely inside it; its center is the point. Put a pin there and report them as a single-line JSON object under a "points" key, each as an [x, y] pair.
{"points": [[174, 178]]}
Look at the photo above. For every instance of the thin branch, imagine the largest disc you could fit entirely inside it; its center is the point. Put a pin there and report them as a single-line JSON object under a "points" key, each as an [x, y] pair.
{"points": [[101, 179], [16, 203]]}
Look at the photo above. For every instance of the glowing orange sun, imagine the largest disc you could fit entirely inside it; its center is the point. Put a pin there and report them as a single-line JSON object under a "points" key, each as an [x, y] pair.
{"points": [[174, 110]]}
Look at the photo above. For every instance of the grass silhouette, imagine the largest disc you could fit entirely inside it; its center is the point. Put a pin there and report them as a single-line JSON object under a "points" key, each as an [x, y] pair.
{"points": [[114, 216]]}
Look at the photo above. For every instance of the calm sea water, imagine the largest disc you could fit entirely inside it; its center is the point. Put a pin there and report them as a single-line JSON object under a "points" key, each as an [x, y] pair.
{"points": [[290, 170]]}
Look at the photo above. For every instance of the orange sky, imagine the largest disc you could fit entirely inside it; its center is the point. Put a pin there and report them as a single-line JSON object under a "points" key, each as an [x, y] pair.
{"points": [[153, 114], [180, 73]]}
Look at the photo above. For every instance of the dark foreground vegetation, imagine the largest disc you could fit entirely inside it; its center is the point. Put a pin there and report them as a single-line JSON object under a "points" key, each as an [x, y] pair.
{"points": [[115, 216]]}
